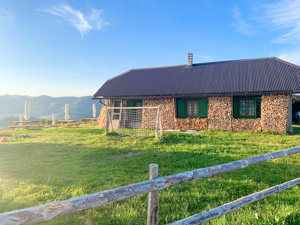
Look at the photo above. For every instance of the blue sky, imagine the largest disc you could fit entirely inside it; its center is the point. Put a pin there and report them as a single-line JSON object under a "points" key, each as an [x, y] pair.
{"points": [[64, 48]]}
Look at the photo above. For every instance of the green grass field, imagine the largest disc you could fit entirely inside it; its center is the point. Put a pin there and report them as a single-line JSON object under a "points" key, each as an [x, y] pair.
{"points": [[60, 163]]}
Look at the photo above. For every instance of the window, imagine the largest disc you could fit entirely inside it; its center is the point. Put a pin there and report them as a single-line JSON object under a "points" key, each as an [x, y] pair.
{"points": [[116, 112], [246, 107], [191, 108], [138, 111]]}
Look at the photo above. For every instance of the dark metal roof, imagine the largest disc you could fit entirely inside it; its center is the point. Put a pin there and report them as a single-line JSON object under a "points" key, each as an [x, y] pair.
{"points": [[216, 78]]}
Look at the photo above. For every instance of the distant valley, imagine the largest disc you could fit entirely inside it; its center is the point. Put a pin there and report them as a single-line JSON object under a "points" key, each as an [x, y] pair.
{"points": [[43, 107]]}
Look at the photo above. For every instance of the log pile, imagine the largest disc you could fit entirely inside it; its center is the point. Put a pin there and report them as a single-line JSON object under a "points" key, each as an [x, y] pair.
{"points": [[101, 122], [274, 111], [191, 124], [149, 118], [246, 124], [167, 110], [219, 113]]}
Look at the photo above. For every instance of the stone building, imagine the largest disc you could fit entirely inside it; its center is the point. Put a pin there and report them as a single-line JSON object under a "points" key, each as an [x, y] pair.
{"points": [[239, 95]]}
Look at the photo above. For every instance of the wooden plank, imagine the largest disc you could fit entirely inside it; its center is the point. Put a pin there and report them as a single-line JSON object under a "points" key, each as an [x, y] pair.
{"points": [[237, 204], [153, 198], [49, 211]]}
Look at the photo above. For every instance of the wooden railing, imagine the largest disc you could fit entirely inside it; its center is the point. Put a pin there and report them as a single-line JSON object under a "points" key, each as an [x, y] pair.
{"points": [[56, 209]]}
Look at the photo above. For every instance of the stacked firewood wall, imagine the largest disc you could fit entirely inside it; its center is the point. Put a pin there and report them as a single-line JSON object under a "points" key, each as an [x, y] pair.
{"points": [[274, 111], [274, 114], [191, 123], [149, 118], [246, 124], [167, 111], [219, 113]]}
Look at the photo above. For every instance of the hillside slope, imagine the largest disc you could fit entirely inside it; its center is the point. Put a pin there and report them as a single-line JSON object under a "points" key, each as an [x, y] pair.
{"points": [[44, 106]]}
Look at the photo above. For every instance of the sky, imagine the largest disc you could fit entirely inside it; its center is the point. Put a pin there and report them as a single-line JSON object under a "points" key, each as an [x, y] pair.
{"points": [[70, 48]]}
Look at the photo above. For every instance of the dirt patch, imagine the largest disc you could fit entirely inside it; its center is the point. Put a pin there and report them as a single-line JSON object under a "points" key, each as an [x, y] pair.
{"points": [[129, 154]]}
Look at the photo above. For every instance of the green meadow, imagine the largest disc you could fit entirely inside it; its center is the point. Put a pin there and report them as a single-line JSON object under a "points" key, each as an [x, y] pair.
{"points": [[60, 163]]}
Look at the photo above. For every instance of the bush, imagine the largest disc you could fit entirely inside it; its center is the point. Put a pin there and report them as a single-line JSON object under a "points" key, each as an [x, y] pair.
{"points": [[82, 120], [42, 121], [48, 122]]}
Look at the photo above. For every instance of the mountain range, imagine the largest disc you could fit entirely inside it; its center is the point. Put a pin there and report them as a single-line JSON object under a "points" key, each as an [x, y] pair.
{"points": [[43, 106]]}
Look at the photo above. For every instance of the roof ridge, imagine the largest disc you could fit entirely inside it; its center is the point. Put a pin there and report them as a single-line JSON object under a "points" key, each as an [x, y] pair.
{"points": [[234, 60]]}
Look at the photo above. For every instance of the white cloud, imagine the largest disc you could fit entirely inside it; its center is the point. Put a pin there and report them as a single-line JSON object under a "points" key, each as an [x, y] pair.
{"points": [[204, 58], [83, 23], [6, 17], [292, 56], [239, 24], [283, 16]]}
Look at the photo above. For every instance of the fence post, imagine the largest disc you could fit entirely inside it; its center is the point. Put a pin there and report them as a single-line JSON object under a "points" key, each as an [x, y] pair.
{"points": [[153, 198]]}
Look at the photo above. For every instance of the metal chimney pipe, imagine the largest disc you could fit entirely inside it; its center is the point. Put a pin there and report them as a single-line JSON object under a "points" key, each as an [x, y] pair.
{"points": [[190, 60]]}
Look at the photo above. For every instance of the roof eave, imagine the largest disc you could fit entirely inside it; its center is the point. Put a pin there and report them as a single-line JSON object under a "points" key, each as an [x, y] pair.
{"points": [[202, 95]]}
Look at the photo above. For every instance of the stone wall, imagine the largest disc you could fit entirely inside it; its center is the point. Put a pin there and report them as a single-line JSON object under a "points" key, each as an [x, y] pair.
{"points": [[274, 113], [167, 110], [220, 113]]}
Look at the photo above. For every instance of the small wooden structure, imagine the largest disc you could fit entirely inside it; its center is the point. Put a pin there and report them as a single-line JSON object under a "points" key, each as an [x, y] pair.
{"points": [[67, 123], [4, 136], [26, 125], [90, 120]]}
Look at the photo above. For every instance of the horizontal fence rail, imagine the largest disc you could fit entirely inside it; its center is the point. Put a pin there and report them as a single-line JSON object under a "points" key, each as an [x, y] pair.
{"points": [[237, 204], [56, 209]]}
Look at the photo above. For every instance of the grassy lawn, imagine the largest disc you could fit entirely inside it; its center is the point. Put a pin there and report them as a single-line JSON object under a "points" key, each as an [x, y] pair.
{"points": [[60, 163]]}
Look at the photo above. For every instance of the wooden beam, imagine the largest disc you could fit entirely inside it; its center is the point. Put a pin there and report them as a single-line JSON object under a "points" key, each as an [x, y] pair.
{"points": [[237, 204], [56, 209], [107, 121], [153, 198]]}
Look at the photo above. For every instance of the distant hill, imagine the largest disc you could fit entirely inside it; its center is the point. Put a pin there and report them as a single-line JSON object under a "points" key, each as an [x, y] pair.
{"points": [[43, 106]]}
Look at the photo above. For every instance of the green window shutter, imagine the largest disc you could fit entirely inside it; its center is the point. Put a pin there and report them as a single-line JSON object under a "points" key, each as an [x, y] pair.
{"points": [[236, 108], [181, 108], [130, 103], [203, 108]]}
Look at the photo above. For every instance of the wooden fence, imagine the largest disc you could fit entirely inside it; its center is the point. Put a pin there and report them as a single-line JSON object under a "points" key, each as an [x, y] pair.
{"points": [[56, 209]]}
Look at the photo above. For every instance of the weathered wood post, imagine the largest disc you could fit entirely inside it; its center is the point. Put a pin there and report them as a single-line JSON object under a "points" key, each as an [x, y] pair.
{"points": [[153, 198], [157, 122], [107, 120], [161, 124]]}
